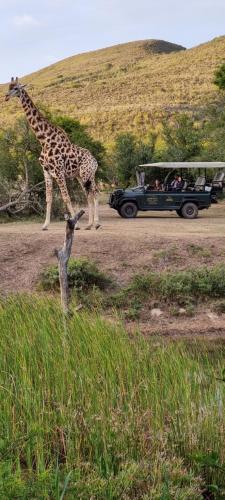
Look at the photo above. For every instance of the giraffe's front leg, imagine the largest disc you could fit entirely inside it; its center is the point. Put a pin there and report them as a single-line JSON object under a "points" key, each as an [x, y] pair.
{"points": [[48, 188], [65, 195]]}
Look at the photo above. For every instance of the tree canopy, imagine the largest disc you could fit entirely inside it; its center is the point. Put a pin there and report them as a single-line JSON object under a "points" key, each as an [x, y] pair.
{"points": [[129, 152]]}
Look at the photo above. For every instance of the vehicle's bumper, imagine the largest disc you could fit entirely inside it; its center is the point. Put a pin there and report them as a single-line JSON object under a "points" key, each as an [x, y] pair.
{"points": [[214, 198], [112, 201]]}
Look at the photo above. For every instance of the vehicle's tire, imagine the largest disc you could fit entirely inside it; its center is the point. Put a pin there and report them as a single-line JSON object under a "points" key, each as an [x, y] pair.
{"points": [[189, 210], [179, 212], [128, 210]]}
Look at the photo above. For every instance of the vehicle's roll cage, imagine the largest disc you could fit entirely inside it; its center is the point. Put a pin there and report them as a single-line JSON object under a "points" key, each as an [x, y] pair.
{"points": [[200, 184]]}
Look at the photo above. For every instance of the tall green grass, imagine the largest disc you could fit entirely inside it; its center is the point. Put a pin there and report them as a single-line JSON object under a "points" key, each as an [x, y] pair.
{"points": [[87, 412]]}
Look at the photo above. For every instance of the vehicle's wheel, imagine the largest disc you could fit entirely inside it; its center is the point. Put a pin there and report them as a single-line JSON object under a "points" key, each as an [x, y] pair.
{"points": [[128, 210], [189, 210], [179, 212]]}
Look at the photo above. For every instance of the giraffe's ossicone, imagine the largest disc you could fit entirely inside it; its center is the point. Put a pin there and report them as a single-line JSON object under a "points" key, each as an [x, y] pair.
{"points": [[60, 159]]}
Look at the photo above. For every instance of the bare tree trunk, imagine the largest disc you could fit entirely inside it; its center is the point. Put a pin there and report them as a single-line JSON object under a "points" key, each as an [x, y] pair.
{"points": [[63, 256]]}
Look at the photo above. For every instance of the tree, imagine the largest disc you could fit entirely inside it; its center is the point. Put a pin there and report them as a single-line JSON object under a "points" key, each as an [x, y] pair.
{"points": [[129, 152], [219, 79], [20, 170], [124, 157], [8, 165], [19, 153], [182, 138], [213, 134], [146, 150]]}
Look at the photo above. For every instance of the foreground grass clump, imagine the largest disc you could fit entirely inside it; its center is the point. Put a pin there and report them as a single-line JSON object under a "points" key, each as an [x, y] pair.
{"points": [[88, 412], [82, 275], [175, 286]]}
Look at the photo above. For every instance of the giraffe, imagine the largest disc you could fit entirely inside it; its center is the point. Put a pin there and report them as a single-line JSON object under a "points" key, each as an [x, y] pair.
{"points": [[59, 158]]}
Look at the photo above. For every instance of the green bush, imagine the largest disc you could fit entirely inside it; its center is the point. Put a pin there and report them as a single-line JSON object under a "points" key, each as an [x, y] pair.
{"points": [[82, 275], [219, 79], [176, 286]]}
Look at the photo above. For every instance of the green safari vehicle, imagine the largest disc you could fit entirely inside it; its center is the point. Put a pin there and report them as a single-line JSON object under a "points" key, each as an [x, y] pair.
{"points": [[186, 201]]}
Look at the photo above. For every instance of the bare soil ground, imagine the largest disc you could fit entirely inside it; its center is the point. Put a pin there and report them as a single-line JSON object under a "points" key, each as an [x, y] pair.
{"points": [[123, 248]]}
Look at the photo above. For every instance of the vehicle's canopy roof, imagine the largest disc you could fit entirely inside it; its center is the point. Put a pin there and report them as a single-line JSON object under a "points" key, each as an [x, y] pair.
{"points": [[187, 164]]}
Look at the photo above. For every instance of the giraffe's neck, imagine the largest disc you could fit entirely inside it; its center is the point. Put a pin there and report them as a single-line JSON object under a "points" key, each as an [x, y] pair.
{"points": [[40, 126]]}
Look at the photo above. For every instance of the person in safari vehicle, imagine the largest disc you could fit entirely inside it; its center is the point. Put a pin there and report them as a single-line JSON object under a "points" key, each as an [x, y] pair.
{"points": [[157, 185]]}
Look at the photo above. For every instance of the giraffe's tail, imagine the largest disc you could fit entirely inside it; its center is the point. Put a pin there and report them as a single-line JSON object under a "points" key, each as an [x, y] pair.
{"points": [[90, 187], [87, 186]]}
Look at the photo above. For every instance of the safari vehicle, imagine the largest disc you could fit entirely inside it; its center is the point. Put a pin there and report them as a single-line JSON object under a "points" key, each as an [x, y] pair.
{"points": [[186, 201]]}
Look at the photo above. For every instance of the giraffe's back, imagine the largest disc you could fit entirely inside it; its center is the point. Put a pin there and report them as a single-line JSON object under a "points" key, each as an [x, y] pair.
{"points": [[79, 162], [59, 156]]}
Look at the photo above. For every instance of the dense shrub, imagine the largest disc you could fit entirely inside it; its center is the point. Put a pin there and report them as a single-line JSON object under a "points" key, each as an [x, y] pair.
{"points": [[82, 275]]}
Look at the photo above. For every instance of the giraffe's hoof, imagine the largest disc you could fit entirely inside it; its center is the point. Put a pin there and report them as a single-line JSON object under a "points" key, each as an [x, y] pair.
{"points": [[44, 228], [88, 227], [77, 228], [97, 226]]}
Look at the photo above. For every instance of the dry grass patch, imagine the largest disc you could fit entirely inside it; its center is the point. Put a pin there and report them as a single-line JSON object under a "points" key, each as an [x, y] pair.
{"points": [[128, 86]]}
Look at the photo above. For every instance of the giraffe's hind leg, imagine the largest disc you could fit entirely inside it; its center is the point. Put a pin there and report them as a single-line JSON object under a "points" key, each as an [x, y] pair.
{"points": [[96, 212], [92, 198], [90, 201]]}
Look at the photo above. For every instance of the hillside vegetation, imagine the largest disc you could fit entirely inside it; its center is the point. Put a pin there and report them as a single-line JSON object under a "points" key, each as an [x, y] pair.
{"points": [[125, 87]]}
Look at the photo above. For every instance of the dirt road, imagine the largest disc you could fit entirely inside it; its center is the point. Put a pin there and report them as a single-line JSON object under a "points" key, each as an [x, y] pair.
{"points": [[121, 247], [209, 224]]}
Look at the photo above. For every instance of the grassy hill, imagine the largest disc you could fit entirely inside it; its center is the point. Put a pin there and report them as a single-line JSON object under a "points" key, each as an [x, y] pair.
{"points": [[127, 86]]}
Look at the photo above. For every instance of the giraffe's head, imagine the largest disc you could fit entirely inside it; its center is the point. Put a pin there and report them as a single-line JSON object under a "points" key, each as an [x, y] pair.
{"points": [[14, 89]]}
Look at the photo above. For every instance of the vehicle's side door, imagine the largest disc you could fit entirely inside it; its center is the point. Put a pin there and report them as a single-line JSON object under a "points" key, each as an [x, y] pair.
{"points": [[170, 200], [150, 200], [160, 200]]}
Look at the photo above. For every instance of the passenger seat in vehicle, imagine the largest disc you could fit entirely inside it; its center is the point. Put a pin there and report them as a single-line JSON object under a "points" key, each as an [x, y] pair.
{"points": [[200, 184]]}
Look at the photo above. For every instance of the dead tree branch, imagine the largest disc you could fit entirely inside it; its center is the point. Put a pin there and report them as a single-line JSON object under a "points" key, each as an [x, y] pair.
{"points": [[21, 198], [63, 256]]}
